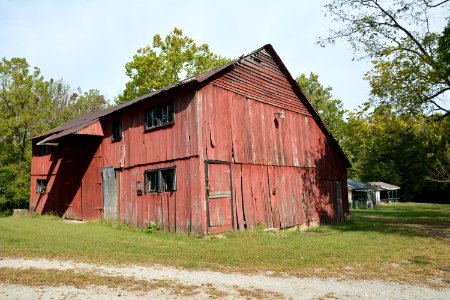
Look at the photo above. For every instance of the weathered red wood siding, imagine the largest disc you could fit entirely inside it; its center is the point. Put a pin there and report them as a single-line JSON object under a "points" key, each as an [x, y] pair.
{"points": [[137, 147], [285, 171], [139, 150], [73, 180], [174, 211], [74, 174], [259, 77]]}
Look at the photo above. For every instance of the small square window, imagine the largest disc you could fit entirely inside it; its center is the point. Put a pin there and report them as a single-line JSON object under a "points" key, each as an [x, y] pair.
{"points": [[160, 180], [116, 134], [42, 150], [159, 116], [41, 186], [54, 149]]}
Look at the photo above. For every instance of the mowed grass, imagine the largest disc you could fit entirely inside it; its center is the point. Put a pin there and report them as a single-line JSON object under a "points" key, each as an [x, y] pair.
{"points": [[406, 242]]}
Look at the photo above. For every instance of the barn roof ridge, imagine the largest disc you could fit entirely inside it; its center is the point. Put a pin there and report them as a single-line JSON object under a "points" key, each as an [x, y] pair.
{"points": [[86, 119]]}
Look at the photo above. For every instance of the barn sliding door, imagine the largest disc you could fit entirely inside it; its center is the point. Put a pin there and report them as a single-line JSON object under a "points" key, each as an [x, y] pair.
{"points": [[109, 194], [219, 206]]}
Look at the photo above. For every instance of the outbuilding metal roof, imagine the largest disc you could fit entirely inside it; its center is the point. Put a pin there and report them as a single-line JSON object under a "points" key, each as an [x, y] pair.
{"points": [[356, 185], [385, 186]]}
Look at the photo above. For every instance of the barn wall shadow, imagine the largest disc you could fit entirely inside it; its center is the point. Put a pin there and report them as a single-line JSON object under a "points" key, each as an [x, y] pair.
{"points": [[64, 195]]}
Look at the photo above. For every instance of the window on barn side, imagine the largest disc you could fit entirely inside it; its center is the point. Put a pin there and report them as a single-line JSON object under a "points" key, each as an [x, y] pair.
{"points": [[160, 180], [54, 149], [41, 186], [42, 150], [116, 134], [169, 180], [151, 181], [159, 116]]}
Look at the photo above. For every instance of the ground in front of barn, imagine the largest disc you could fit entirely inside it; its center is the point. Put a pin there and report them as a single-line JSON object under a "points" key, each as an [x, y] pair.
{"points": [[57, 279]]}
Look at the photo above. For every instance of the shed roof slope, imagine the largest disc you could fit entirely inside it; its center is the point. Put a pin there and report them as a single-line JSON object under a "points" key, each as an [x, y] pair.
{"points": [[359, 185], [87, 118], [385, 186], [203, 78]]}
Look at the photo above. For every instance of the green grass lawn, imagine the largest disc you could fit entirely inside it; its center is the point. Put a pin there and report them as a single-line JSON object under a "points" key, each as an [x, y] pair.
{"points": [[405, 242]]}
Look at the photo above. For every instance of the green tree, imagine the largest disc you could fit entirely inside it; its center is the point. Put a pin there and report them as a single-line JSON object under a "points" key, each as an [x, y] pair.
{"points": [[356, 139], [67, 103], [403, 150], [167, 61], [330, 110], [30, 105], [409, 72], [21, 106]]}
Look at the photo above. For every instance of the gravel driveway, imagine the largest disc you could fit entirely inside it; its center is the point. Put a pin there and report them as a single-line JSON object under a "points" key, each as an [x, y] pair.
{"points": [[203, 284]]}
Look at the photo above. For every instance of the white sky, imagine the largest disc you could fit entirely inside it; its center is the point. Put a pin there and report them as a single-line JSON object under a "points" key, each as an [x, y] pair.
{"points": [[88, 43]]}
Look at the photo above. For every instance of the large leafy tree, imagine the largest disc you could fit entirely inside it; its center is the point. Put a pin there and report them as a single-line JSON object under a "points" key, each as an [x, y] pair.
{"points": [[18, 103], [410, 60], [356, 139], [30, 105], [68, 103], [403, 150], [330, 110], [167, 61], [22, 106]]}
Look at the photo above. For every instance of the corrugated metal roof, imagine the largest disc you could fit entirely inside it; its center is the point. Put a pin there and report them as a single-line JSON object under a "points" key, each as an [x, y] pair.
{"points": [[356, 185], [88, 118], [385, 186]]}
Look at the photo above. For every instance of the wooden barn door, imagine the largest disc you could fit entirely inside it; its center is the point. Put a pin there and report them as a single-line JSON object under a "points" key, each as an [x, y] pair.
{"points": [[219, 206], [109, 193]]}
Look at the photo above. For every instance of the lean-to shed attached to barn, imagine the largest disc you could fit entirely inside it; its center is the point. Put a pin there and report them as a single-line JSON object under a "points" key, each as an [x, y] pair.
{"points": [[231, 148]]}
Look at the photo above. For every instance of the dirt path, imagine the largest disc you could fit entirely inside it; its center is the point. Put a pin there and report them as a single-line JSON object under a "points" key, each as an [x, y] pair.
{"points": [[175, 283]]}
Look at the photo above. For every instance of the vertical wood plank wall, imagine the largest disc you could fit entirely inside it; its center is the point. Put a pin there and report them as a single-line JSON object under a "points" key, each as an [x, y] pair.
{"points": [[139, 150], [73, 180], [75, 191], [285, 172]]}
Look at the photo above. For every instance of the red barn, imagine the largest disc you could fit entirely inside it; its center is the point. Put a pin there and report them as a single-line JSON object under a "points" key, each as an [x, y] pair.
{"points": [[231, 148]]}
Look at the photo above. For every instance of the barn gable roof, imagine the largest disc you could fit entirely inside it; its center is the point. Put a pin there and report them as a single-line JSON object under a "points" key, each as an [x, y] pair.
{"points": [[88, 119]]}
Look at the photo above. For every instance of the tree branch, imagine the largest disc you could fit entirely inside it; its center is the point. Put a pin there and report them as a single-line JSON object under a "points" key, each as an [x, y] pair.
{"points": [[427, 3], [403, 29], [439, 93]]}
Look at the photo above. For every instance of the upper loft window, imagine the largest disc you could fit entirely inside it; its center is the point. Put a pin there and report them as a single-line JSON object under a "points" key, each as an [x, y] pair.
{"points": [[116, 134], [43, 150], [159, 116]]}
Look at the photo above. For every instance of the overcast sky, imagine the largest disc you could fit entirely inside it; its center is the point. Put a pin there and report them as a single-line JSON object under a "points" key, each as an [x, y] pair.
{"points": [[88, 43]]}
